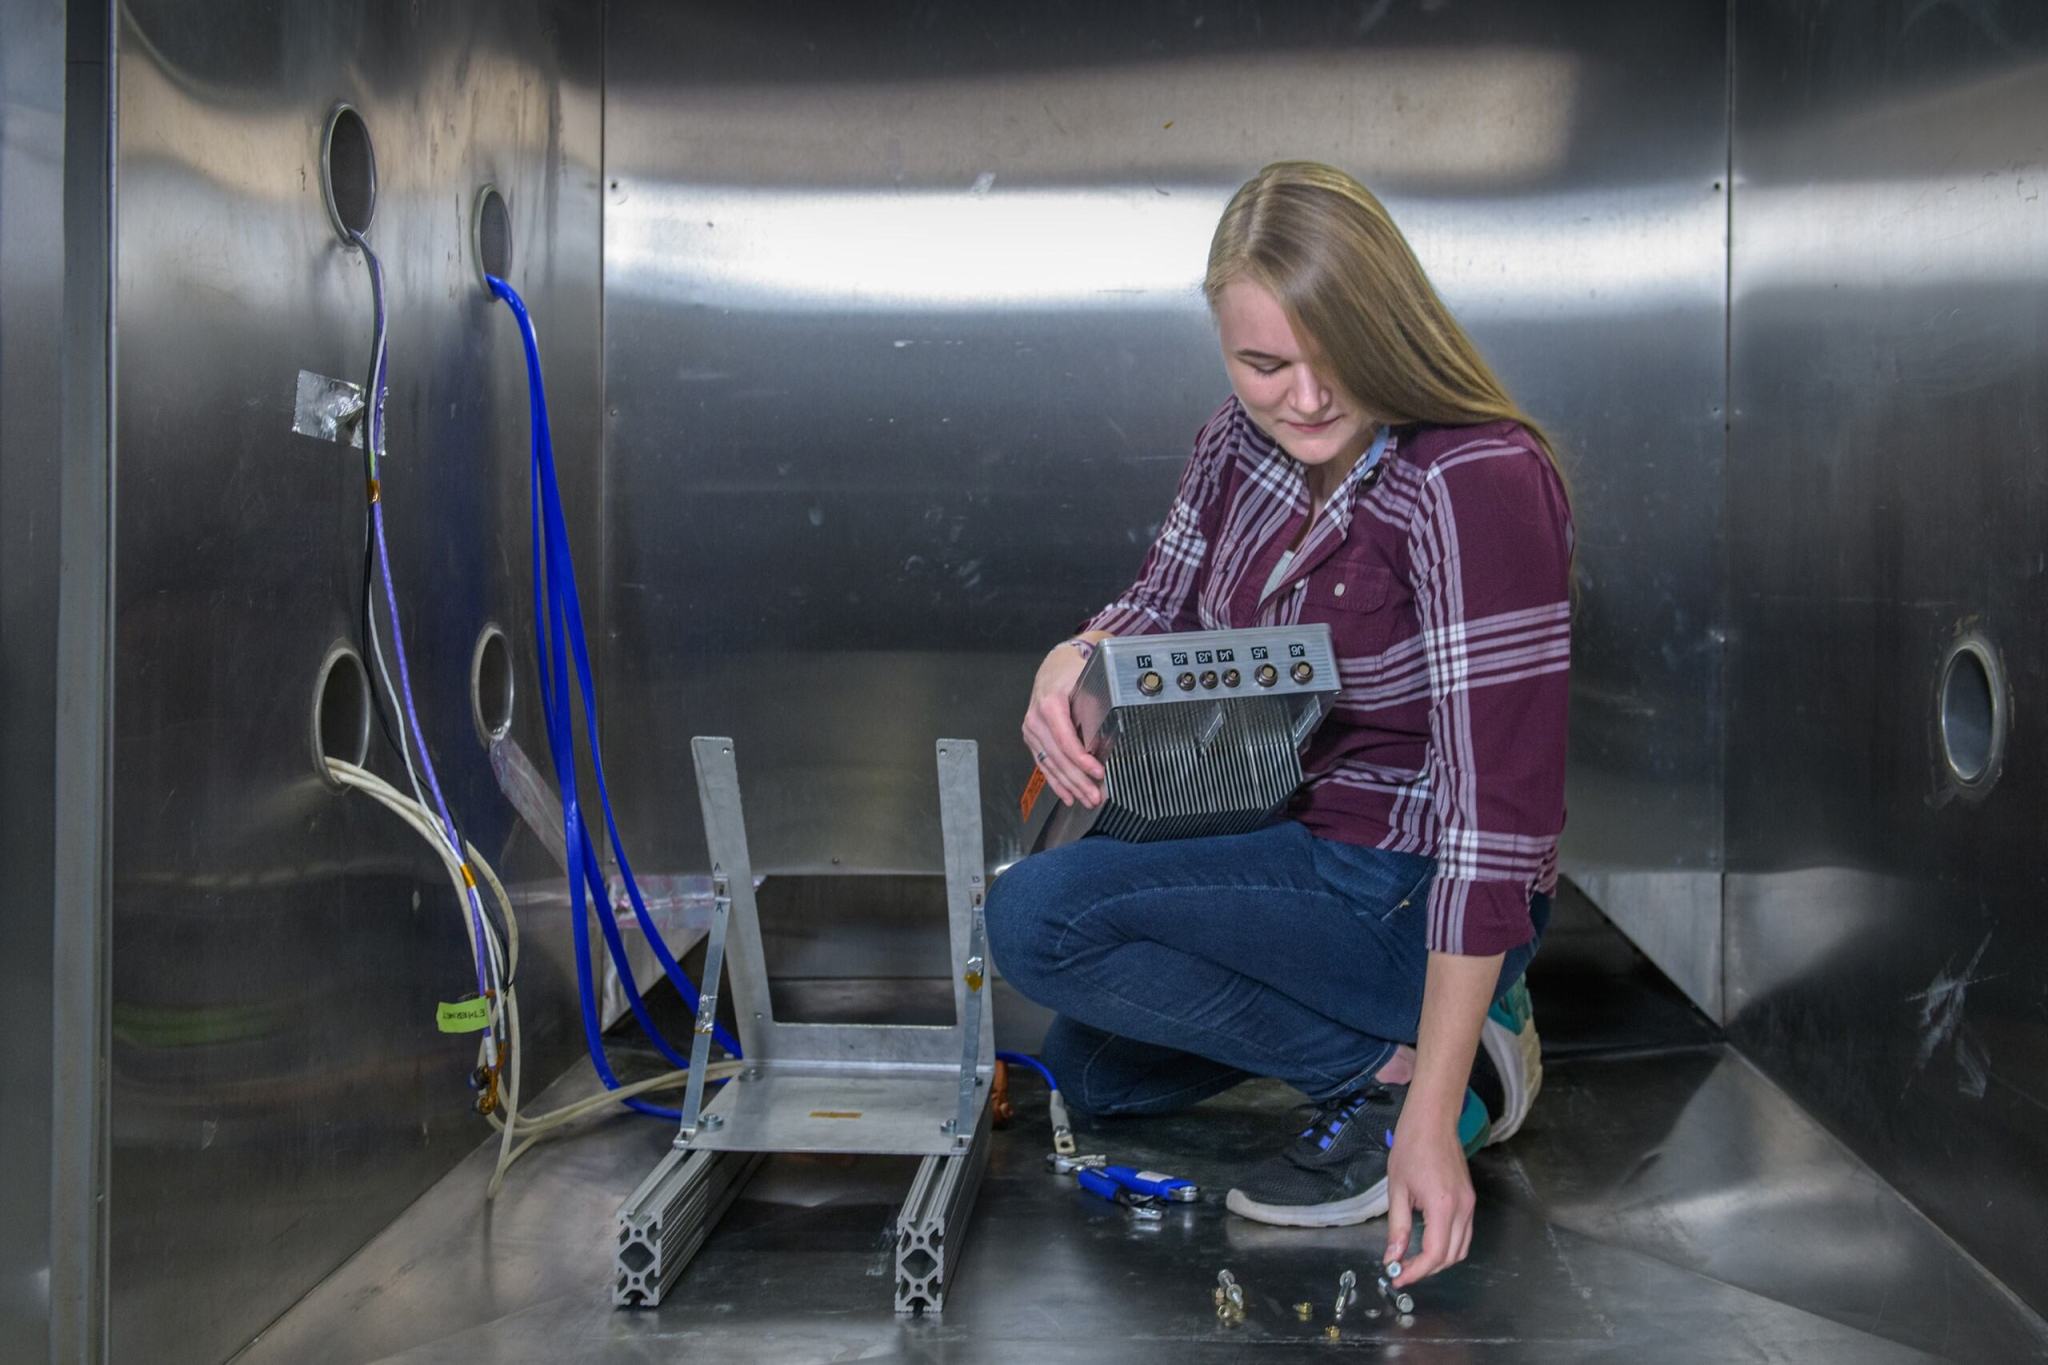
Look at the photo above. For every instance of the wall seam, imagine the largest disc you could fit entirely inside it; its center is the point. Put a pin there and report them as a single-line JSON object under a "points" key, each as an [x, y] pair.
{"points": [[80, 930], [1725, 643]]}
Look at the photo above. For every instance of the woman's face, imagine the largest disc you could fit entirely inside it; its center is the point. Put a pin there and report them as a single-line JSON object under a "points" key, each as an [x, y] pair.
{"points": [[1287, 393]]}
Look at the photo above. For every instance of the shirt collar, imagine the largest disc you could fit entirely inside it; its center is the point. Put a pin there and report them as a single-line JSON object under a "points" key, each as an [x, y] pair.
{"points": [[1381, 445]]}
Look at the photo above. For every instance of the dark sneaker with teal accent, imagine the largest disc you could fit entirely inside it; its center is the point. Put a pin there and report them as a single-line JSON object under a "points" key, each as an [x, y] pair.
{"points": [[1509, 1069], [1335, 1172]]}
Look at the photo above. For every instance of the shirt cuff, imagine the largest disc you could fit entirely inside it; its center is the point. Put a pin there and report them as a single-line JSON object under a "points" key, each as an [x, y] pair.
{"points": [[1478, 918]]}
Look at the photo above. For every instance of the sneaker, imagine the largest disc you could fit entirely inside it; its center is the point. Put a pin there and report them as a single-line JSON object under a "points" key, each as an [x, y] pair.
{"points": [[1335, 1172], [1509, 1069]]}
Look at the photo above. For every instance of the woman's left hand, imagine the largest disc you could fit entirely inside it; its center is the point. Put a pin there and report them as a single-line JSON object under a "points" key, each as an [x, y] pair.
{"points": [[1426, 1174]]}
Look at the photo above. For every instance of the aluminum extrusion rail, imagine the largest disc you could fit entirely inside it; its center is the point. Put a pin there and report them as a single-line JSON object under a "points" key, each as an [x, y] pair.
{"points": [[933, 1224], [667, 1219]]}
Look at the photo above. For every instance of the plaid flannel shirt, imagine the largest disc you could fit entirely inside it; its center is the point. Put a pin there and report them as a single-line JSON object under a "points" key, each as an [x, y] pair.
{"points": [[1444, 576]]}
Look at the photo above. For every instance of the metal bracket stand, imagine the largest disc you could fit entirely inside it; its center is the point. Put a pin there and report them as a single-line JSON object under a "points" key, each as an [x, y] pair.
{"points": [[892, 1089]]}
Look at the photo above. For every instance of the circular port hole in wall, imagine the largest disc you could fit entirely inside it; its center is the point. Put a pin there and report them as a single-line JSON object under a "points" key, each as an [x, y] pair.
{"points": [[491, 229], [490, 686], [341, 711], [348, 172], [1971, 717]]}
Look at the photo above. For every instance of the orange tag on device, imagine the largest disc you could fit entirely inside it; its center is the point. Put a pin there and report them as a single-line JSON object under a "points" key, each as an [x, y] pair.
{"points": [[1031, 791]]}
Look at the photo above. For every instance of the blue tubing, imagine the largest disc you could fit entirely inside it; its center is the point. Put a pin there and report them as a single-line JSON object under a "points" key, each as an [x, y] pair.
{"points": [[1021, 1059], [558, 622]]}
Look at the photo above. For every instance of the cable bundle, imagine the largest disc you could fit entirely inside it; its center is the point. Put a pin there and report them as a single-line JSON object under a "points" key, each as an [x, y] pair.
{"points": [[558, 626], [492, 975], [491, 927], [514, 1127]]}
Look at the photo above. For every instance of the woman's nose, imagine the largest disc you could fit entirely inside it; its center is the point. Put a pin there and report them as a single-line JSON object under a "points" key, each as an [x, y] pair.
{"points": [[1310, 394]]}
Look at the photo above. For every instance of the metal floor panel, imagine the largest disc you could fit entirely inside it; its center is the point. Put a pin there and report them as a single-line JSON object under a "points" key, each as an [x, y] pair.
{"points": [[1666, 1205]]}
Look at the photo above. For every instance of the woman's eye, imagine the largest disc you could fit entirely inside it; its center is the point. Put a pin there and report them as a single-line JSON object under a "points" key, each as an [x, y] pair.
{"points": [[1267, 369]]}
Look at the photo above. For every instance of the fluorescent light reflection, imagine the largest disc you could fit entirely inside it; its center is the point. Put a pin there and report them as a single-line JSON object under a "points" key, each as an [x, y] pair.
{"points": [[1129, 248]]}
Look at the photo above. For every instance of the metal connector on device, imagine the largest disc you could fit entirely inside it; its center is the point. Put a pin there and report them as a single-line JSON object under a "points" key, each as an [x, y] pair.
{"points": [[1062, 1163], [1062, 1126]]}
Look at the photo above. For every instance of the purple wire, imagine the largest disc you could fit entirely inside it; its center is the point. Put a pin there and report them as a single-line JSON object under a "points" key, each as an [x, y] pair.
{"points": [[412, 721], [376, 402]]}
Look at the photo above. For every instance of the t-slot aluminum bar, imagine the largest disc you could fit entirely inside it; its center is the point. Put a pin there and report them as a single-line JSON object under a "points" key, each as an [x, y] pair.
{"points": [[707, 1006], [933, 1224], [667, 1219]]}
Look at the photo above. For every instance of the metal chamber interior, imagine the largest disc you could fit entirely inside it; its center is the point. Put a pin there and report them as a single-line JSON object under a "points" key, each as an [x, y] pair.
{"points": [[873, 353]]}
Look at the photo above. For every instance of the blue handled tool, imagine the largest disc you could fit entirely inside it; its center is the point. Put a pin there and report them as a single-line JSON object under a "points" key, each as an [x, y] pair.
{"points": [[1102, 1187], [1154, 1184]]}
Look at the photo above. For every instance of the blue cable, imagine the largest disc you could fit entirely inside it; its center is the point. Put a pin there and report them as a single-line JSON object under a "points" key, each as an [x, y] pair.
{"points": [[566, 616], [558, 622], [1020, 1059], [548, 625]]}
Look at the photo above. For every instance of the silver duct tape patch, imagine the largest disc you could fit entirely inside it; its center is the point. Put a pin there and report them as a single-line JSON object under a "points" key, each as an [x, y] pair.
{"points": [[328, 409]]}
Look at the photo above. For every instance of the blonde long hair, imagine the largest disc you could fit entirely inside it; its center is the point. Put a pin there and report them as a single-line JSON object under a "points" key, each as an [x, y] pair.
{"points": [[1322, 245]]}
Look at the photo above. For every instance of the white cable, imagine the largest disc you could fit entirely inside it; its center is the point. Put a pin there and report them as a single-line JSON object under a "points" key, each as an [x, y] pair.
{"points": [[505, 958], [423, 824], [517, 1132], [506, 1009]]}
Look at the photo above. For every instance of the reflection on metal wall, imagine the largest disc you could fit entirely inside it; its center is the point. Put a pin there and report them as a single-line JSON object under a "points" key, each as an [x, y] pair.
{"points": [[904, 352], [32, 283], [1886, 499], [279, 1091]]}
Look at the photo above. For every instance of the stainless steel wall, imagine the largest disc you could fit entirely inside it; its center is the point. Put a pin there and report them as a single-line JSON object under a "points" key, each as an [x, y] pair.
{"points": [[279, 1091], [1887, 951], [31, 401], [904, 352]]}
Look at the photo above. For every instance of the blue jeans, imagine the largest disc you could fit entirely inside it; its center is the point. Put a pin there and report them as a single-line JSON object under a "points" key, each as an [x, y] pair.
{"points": [[1181, 968]]}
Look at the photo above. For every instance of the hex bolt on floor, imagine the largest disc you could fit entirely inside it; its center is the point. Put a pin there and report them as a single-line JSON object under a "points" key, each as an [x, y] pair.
{"points": [[1400, 1300], [1229, 1297]]}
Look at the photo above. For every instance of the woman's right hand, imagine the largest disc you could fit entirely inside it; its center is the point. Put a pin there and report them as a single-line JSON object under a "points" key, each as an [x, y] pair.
{"points": [[1051, 735]]}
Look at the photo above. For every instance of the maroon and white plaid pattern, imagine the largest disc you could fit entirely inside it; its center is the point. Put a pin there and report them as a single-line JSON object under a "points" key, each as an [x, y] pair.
{"points": [[1444, 578]]}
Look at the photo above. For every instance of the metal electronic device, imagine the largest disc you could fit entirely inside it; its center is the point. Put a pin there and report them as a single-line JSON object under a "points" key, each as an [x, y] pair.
{"points": [[883, 1089], [1199, 733]]}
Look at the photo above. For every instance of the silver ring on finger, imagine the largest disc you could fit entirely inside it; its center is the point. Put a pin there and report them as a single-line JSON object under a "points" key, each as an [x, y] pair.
{"points": [[1040, 755]]}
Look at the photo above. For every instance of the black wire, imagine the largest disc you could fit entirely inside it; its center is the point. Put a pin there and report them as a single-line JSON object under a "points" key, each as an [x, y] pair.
{"points": [[370, 538], [370, 398]]}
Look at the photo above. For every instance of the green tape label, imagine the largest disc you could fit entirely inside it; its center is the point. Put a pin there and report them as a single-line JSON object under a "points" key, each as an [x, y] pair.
{"points": [[465, 1016]]}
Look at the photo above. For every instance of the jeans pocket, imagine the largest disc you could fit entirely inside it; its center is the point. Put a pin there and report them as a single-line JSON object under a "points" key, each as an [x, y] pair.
{"points": [[1378, 882], [1415, 898]]}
